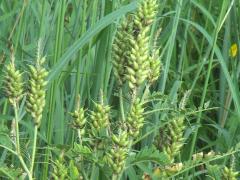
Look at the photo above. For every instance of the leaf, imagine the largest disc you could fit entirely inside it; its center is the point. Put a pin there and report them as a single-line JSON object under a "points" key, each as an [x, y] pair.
{"points": [[81, 150], [149, 154], [214, 171], [9, 173], [85, 38], [4, 137]]}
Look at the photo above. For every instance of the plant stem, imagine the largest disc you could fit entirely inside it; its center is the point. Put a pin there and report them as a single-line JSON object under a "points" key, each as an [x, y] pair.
{"points": [[18, 149], [115, 177], [16, 127], [79, 136], [121, 104], [34, 148], [25, 167]]}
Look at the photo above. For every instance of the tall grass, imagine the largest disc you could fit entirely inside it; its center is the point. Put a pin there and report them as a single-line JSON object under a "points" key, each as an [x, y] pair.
{"points": [[191, 113]]}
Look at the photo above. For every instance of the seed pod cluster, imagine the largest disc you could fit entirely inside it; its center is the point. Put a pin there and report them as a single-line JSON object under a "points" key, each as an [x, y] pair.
{"points": [[175, 130], [13, 83], [99, 117], [131, 49], [79, 120], [138, 64], [36, 91], [146, 12], [154, 70], [60, 171], [135, 118], [118, 153], [121, 50], [229, 174]]}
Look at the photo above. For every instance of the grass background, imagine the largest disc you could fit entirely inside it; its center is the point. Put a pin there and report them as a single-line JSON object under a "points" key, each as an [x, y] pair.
{"points": [[77, 36]]}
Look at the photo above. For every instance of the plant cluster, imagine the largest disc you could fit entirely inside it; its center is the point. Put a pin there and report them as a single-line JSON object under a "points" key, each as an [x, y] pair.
{"points": [[132, 133]]}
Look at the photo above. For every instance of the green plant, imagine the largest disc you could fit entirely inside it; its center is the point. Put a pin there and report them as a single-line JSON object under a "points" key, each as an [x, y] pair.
{"points": [[110, 106]]}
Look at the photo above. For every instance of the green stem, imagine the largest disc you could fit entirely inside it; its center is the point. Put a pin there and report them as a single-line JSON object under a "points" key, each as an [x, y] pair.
{"points": [[34, 148], [25, 167], [221, 20], [79, 136], [121, 104], [18, 149], [16, 127], [115, 177]]}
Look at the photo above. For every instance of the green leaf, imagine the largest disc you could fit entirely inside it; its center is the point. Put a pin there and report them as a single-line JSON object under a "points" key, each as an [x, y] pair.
{"points": [[85, 38], [214, 171], [149, 154], [4, 137], [9, 173]]}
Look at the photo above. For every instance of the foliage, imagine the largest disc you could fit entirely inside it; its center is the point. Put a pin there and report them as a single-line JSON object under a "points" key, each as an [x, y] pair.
{"points": [[122, 89]]}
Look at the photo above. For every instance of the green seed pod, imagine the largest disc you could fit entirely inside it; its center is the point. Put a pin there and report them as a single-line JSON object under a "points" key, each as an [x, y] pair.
{"points": [[229, 174], [117, 155], [13, 83], [131, 47], [154, 70], [121, 50], [99, 117], [135, 118], [36, 91], [121, 140], [146, 13], [174, 133], [60, 171], [79, 120], [138, 64]]}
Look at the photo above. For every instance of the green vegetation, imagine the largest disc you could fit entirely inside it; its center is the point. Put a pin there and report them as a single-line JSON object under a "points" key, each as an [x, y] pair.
{"points": [[119, 89]]}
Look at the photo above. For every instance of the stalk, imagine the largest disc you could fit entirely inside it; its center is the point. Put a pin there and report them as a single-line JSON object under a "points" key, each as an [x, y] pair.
{"points": [[18, 149], [115, 177], [34, 148], [121, 104], [79, 136]]}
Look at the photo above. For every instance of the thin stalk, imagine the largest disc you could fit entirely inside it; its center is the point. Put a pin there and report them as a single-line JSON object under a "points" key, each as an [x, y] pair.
{"points": [[121, 104], [18, 149], [222, 19], [17, 131], [34, 148], [25, 167], [79, 136], [115, 177], [203, 99]]}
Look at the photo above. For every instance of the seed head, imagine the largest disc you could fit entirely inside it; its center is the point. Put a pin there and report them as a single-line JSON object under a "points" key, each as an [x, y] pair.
{"points": [[79, 120], [154, 69], [60, 170], [229, 174], [121, 50], [117, 155], [146, 13], [138, 64], [175, 130], [99, 117], [13, 83], [36, 91], [135, 118]]}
